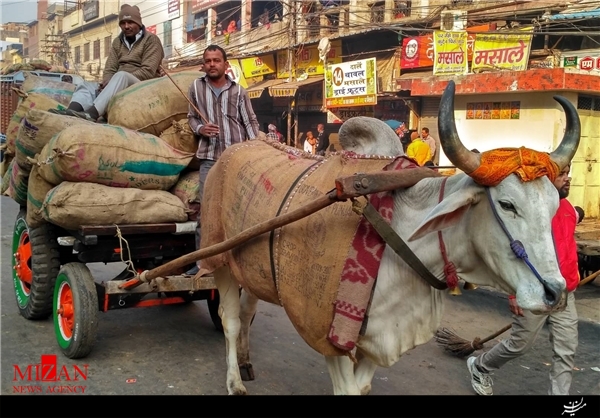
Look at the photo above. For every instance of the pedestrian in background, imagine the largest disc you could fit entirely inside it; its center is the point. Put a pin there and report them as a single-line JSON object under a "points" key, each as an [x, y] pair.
{"points": [[418, 150], [526, 325]]}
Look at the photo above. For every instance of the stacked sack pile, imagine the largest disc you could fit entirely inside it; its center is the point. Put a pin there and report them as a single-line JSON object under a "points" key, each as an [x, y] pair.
{"points": [[138, 168]]}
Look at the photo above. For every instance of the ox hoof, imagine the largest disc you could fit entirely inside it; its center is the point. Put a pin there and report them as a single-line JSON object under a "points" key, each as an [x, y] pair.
{"points": [[241, 390], [366, 390], [246, 372]]}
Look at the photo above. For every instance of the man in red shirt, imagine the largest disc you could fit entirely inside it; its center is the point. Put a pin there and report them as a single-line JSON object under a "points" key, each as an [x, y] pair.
{"points": [[526, 325]]}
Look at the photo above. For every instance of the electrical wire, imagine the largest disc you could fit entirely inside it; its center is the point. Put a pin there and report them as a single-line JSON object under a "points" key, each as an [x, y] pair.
{"points": [[363, 20]]}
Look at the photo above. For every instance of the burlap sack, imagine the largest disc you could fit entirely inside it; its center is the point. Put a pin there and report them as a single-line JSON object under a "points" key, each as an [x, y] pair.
{"points": [[37, 189], [36, 130], [17, 187], [113, 156], [187, 189], [71, 205], [56, 90], [180, 136], [255, 181], [150, 106], [28, 102]]}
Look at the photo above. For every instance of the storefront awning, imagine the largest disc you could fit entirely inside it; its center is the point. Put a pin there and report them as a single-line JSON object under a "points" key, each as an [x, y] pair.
{"points": [[592, 13], [290, 89], [256, 90]]}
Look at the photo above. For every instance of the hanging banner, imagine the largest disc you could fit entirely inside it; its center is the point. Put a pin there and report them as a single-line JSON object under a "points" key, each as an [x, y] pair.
{"points": [[352, 83], [450, 53], [307, 60], [256, 66], [501, 52], [417, 51]]}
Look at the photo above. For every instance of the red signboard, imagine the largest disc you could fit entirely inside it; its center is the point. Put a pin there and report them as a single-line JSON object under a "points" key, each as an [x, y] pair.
{"points": [[587, 64], [417, 51], [151, 29]]}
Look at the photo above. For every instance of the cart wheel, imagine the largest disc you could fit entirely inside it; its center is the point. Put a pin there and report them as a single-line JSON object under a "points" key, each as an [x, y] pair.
{"points": [[75, 310], [36, 261]]}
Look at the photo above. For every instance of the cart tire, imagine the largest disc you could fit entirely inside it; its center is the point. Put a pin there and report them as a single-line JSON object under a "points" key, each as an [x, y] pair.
{"points": [[213, 310], [75, 310], [35, 262]]}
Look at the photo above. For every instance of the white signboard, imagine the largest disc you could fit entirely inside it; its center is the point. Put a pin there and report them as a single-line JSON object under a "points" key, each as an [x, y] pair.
{"points": [[173, 9]]}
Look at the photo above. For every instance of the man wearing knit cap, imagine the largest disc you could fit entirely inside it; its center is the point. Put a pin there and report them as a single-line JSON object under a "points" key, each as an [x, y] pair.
{"points": [[135, 56]]}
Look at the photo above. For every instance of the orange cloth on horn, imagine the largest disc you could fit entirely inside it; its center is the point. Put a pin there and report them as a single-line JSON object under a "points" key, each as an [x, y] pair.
{"points": [[526, 163]]}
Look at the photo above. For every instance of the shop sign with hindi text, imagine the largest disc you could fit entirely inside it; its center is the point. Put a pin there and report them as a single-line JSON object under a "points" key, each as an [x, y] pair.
{"points": [[501, 52], [450, 53], [257, 66], [352, 83], [417, 51], [587, 61]]}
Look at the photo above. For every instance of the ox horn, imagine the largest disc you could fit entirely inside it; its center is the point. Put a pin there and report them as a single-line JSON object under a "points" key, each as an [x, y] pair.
{"points": [[454, 149], [565, 151]]}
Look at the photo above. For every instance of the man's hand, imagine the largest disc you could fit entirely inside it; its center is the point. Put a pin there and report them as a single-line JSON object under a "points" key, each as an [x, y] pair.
{"points": [[102, 85], [210, 129], [514, 307]]}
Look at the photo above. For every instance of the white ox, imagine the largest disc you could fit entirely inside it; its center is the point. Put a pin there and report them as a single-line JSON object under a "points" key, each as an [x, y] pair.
{"points": [[405, 311]]}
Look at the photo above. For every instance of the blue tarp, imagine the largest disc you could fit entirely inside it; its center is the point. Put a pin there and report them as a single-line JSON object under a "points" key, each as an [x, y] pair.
{"points": [[590, 14]]}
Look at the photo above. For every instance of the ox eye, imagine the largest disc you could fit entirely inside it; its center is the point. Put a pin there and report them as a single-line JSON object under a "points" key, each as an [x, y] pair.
{"points": [[507, 206]]}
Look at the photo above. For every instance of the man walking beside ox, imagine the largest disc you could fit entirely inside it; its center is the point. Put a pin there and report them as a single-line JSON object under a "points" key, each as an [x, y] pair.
{"points": [[526, 325], [226, 106]]}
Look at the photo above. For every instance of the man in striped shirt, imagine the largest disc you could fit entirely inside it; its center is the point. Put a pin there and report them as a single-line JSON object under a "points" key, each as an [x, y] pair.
{"points": [[226, 118]]}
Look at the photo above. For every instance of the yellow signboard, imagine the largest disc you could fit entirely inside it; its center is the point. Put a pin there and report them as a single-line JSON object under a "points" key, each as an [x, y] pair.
{"points": [[235, 72], [501, 52], [450, 52], [257, 66], [306, 60], [352, 83]]}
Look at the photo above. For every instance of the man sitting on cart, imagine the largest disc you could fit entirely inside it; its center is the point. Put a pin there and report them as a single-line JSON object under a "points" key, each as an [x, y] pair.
{"points": [[135, 56]]}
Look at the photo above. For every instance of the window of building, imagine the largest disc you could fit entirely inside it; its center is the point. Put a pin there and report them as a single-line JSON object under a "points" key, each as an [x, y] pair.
{"points": [[167, 34], [402, 9], [86, 52], [97, 49], [77, 54], [377, 12], [585, 102], [266, 12], [107, 45]]}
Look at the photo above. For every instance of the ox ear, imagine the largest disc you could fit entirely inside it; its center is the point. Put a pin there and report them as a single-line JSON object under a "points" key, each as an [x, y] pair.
{"points": [[449, 212]]}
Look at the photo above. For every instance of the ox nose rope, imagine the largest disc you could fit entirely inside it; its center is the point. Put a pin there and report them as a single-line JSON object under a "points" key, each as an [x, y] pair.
{"points": [[516, 246]]}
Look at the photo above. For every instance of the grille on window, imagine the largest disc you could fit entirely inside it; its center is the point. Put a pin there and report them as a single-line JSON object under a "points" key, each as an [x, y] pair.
{"points": [[584, 102]]}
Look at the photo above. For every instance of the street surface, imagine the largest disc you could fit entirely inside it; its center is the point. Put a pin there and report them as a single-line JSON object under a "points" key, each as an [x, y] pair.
{"points": [[175, 350]]}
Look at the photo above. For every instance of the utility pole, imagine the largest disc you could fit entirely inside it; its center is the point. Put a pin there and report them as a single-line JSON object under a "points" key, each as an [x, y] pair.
{"points": [[290, 66]]}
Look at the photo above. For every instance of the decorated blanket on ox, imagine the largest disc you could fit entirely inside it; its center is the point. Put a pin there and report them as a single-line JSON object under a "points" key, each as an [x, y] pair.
{"points": [[300, 265]]}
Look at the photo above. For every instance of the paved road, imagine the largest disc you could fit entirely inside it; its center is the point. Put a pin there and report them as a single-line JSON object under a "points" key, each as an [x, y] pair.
{"points": [[176, 350]]}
